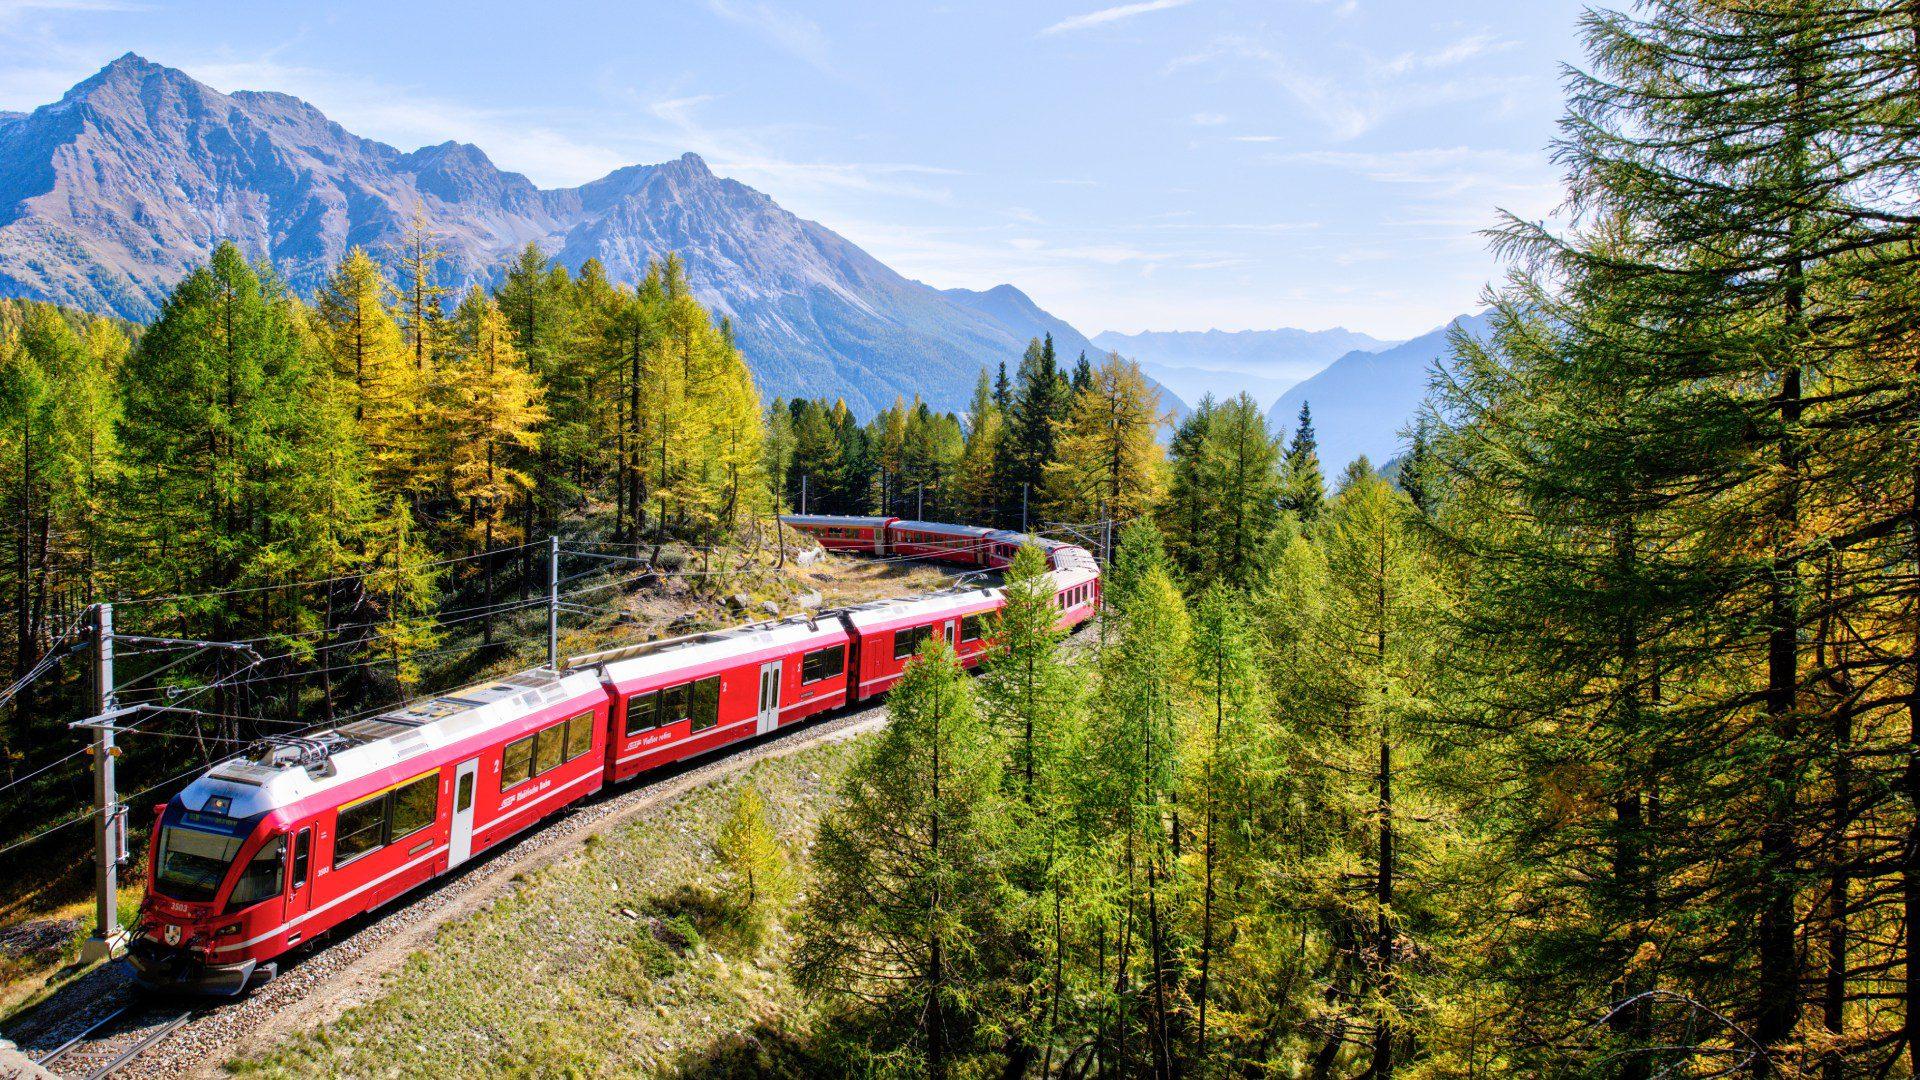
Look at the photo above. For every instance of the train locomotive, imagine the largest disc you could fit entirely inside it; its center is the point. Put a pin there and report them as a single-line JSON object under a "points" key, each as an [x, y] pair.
{"points": [[274, 848]]}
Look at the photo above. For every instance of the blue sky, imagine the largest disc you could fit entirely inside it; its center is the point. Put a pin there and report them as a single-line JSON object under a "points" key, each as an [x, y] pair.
{"points": [[1144, 164]]}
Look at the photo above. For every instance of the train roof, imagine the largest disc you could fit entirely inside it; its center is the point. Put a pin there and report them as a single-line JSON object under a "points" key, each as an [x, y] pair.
{"points": [[882, 612], [943, 528], [635, 662], [284, 770], [832, 519]]}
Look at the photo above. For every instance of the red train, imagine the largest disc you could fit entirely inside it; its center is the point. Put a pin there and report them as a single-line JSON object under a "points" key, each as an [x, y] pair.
{"points": [[272, 849]]}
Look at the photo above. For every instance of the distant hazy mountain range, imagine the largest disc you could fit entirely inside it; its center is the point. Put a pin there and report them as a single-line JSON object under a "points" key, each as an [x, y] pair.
{"points": [[1363, 400], [113, 193], [1263, 363]]}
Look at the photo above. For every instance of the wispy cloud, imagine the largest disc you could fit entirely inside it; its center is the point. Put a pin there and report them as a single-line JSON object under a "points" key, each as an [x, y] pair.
{"points": [[1350, 103], [549, 155], [1449, 55], [1456, 188], [755, 158], [15, 9], [1209, 119], [1112, 15], [792, 33]]}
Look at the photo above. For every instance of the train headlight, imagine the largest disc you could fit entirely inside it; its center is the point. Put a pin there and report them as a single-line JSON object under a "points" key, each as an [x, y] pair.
{"points": [[228, 930]]}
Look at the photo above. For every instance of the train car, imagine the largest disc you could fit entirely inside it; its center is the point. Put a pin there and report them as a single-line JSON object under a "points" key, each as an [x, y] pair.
{"points": [[1076, 588], [890, 632], [963, 544], [271, 849], [867, 535], [677, 698], [1000, 546], [275, 847]]}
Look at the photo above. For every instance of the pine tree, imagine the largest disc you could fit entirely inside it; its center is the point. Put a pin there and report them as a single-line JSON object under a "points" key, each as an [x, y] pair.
{"points": [[979, 485], [1304, 489], [1107, 459], [818, 466], [907, 913], [380, 382], [241, 466], [754, 858], [1129, 787], [422, 296], [489, 411], [1228, 791], [1226, 493], [1380, 599], [1039, 402], [399, 592], [1029, 695], [778, 454]]}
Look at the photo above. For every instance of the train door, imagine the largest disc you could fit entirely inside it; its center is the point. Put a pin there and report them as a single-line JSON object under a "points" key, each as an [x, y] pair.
{"points": [[460, 843], [950, 624], [300, 878], [769, 697]]}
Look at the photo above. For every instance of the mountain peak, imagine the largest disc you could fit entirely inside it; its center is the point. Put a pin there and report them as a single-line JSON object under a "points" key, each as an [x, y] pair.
{"points": [[129, 74], [132, 63], [694, 165], [814, 313]]}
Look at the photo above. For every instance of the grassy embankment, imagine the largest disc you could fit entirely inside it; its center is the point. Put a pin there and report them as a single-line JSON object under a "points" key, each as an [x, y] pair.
{"points": [[619, 959]]}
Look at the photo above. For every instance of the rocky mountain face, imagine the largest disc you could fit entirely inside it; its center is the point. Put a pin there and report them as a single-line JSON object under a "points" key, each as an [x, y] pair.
{"points": [[115, 192], [1363, 400]]}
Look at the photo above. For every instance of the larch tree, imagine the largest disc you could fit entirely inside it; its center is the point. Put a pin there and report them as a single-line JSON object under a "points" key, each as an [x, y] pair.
{"points": [[1108, 463], [381, 384], [907, 915], [979, 484]]}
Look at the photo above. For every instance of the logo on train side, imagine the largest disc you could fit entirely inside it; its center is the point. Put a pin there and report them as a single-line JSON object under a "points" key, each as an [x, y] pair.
{"points": [[523, 794], [171, 934]]}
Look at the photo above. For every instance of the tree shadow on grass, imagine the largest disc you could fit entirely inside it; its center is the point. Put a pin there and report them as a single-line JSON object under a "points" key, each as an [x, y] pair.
{"points": [[762, 1051], [716, 919]]}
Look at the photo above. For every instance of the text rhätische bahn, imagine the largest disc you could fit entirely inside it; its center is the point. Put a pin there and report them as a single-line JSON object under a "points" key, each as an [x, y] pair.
{"points": [[280, 845]]}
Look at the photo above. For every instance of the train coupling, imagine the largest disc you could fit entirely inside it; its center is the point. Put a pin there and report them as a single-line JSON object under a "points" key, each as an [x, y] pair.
{"points": [[176, 971]]}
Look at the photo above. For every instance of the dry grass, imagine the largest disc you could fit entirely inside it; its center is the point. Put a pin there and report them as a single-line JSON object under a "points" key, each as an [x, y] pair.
{"points": [[41, 933], [619, 960]]}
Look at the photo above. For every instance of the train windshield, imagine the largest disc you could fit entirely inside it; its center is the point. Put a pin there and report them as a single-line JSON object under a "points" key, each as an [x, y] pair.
{"points": [[196, 850]]}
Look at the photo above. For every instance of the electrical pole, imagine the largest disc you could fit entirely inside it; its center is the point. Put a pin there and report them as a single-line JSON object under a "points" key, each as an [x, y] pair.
{"points": [[803, 493], [1023, 507], [108, 940], [553, 602], [920, 508]]}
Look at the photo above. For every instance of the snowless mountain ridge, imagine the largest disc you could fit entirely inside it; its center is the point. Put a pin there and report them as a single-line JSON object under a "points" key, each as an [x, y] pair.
{"points": [[115, 192]]}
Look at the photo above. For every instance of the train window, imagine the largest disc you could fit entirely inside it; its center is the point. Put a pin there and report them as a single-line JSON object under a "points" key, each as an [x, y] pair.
{"points": [[907, 642], [973, 628], [673, 704], [262, 877], [548, 748], [643, 712], [704, 706], [516, 762], [823, 664], [579, 735], [359, 829], [302, 856], [415, 805], [463, 795]]}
